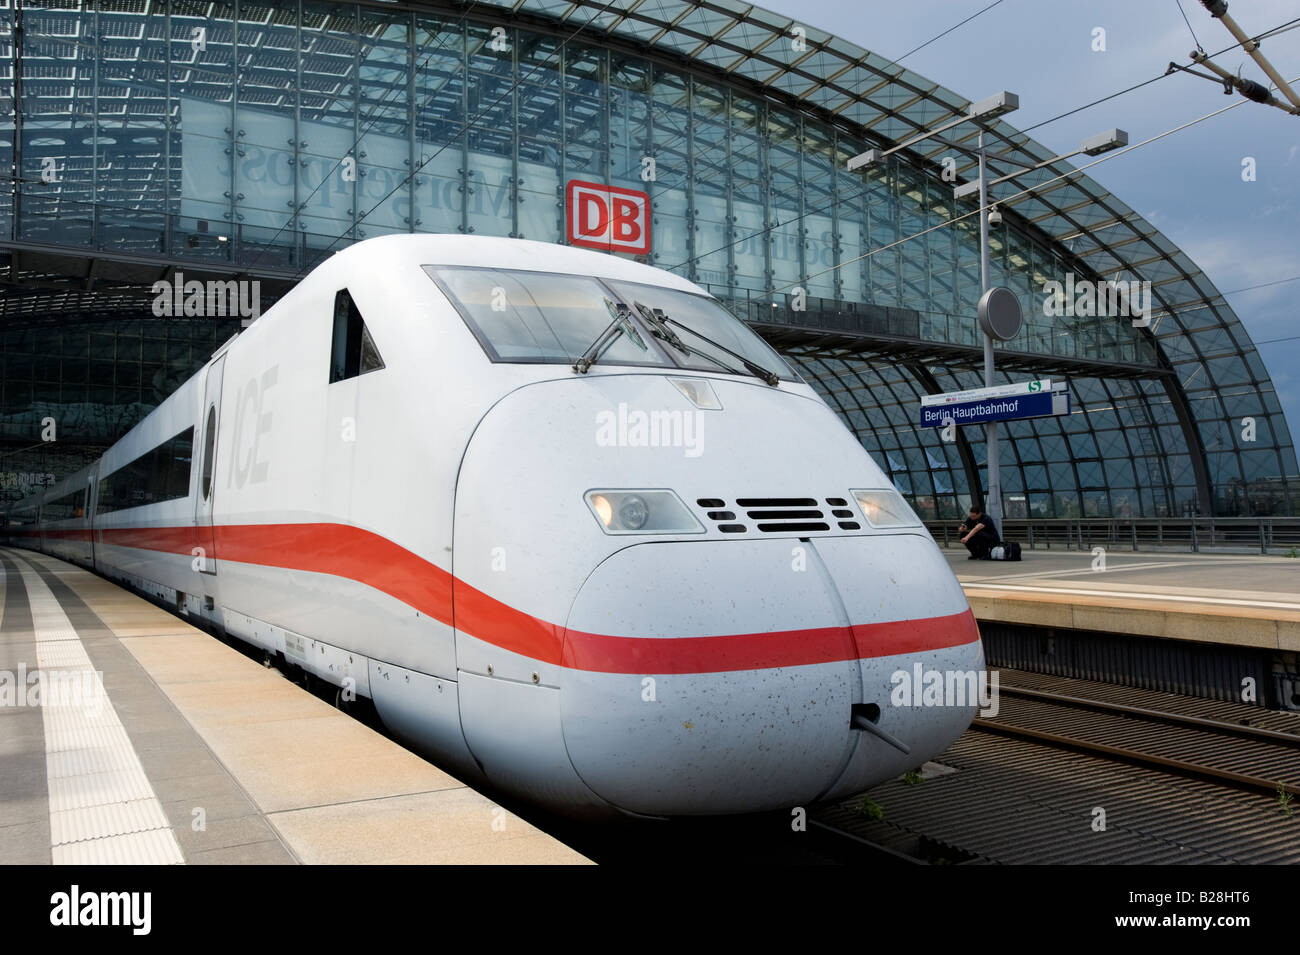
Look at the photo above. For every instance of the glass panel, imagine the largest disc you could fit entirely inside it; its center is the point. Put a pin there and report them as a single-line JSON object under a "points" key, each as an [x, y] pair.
{"points": [[540, 316], [162, 474], [710, 320]]}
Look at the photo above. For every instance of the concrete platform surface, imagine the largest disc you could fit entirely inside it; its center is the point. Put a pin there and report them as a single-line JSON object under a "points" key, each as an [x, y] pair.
{"points": [[1238, 600], [156, 743]]}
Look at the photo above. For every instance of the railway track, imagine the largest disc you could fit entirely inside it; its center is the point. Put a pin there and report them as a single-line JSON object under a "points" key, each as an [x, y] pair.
{"points": [[1223, 750], [1181, 780], [1052, 729]]}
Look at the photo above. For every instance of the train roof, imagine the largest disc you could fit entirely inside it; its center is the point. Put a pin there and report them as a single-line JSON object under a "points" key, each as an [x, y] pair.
{"points": [[383, 252]]}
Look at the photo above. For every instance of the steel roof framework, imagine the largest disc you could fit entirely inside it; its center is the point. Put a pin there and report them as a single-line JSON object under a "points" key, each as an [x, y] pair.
{"points": [[324, 54]]}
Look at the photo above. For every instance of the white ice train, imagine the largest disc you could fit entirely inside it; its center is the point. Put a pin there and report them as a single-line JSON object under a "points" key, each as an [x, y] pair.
{"points": [[568, 523]]}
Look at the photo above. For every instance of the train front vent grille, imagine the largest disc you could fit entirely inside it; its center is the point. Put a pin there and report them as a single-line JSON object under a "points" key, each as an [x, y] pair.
{"points": [[779, 515]]}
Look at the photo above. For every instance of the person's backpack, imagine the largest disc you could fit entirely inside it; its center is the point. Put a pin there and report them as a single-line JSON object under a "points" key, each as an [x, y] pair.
{"points": [[1011, 550]]}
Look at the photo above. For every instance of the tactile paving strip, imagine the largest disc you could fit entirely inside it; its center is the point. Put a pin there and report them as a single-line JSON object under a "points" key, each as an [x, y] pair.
{"points": [[103, 811]]}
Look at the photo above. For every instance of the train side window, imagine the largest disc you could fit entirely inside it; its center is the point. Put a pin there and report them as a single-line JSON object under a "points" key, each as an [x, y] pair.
{"points": [[353, 351], [162, 474], [68, 507], [209, 445]]}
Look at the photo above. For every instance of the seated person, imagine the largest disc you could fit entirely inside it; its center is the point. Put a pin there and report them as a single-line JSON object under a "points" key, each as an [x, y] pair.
{"points": [[979, 533]]}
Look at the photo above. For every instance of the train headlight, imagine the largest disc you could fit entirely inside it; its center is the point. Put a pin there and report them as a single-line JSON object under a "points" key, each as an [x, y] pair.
{"points": [[885, 508], [633, 512], [642, 512]]}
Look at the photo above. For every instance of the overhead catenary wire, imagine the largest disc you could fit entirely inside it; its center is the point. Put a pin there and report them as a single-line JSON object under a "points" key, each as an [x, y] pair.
{"points": [[1285, 27], [947, 31], [1251, 288], [1198, 306], [1018, 195], [1249, 88], [515, 85], [1288, 25], [1282, 28], [1189, 25], [915, 49]]}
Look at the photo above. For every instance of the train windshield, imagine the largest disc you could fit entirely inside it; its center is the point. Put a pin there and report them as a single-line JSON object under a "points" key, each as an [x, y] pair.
{"points": [[553, 317], [539, 316], [702, 324]]}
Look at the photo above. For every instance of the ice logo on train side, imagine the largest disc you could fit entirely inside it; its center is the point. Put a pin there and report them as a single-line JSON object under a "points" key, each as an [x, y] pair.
{"points": [[251, 422]]}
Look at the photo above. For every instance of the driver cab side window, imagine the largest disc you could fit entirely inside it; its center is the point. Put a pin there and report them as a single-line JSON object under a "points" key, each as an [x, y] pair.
{"points": [[352, 351]]}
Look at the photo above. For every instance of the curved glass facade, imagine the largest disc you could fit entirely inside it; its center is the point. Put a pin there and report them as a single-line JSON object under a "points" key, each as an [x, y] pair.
{"points": [[254, 138]]}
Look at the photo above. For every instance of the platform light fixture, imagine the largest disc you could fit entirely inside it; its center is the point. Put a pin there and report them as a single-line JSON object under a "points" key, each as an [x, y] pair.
{"points": [[991, 107], [1092, 146], [987, 109], [981, 113], [1104, 142]]}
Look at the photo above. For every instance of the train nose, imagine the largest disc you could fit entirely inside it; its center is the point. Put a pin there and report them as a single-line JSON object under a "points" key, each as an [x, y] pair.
{"points": [[721, 676]]}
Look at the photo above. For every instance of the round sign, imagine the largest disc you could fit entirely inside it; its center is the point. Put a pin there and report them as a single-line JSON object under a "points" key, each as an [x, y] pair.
{"points": [[999, 312]]}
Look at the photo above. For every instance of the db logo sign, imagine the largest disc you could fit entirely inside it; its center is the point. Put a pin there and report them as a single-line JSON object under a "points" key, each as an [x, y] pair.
{"points": [[607, 217]]}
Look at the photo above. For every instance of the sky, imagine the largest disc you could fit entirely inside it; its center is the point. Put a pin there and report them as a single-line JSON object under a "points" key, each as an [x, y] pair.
{"points": [[1188, 185]]}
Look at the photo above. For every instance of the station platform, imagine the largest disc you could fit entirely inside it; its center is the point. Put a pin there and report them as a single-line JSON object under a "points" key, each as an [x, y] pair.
{"points": [[1225, 599], [160, 744]]}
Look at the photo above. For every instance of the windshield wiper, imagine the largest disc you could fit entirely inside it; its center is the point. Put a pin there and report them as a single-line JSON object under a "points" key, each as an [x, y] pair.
{"points": [[758, 371], [621, 325], [654, 318]]}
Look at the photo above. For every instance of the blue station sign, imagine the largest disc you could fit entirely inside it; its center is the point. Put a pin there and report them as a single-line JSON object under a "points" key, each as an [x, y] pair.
{"points": [[1031, 399]]}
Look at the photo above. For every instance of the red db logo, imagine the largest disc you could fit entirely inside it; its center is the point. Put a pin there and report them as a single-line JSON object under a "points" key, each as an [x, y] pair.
{"points": [[607, 217]]}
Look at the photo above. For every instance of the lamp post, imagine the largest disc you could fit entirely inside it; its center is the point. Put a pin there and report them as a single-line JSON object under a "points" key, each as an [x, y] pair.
{"points": [[999, 307], [982, 112], [1092, 146], [994, 502]]}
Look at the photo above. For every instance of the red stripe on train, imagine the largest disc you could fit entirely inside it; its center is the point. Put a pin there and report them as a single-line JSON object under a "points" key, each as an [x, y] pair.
{"points": [[345, 551], [761, 651]]}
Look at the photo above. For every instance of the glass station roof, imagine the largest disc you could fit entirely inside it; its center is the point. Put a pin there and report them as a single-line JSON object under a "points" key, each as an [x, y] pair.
{"points": [[97, 73]]}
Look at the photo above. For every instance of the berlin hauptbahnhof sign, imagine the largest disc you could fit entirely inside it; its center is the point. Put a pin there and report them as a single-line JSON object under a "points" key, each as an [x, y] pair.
{"points": [[1027, 399]]}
